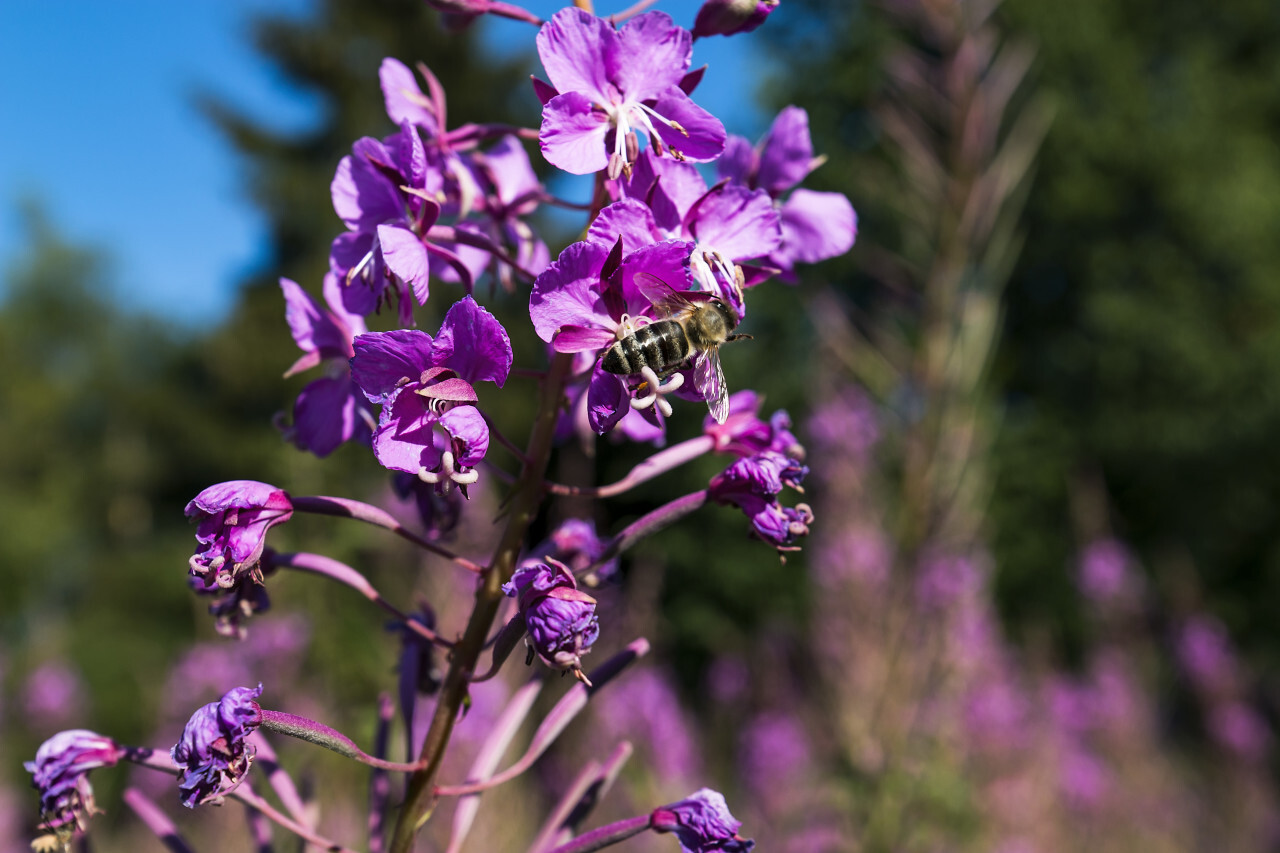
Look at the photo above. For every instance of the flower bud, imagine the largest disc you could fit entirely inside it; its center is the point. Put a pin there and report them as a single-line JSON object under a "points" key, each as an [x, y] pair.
{"points": [[60, 772], [214, 754], [730, 17], [702, 824]]}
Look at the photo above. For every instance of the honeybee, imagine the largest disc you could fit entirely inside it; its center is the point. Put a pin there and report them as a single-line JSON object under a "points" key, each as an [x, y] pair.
{"points": [[694, 326]]}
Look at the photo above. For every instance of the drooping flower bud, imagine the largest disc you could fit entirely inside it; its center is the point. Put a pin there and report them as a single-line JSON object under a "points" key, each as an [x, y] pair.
{"points": [[60, 773], [753, 483], [233, 521], [560, 618], [702, 824], [730, 17], [213, 753]]}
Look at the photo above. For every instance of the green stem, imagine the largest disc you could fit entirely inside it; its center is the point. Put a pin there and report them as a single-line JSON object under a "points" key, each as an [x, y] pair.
{"points": [[526, 498]]}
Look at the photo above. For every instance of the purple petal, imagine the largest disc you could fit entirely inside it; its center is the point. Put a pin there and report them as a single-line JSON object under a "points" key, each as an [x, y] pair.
{"points": [[630, 219], [509, 168], [327, 413], [607, 400], [737, 222], [339, 298], [473, 343], [787, 154], [568, 292], [406, 256], [704, 135], [409, 155], [649, 56], [470, 434], [383, 360], [581, 339], [313, 328], [738, 162], [471, 259], [406, 440], [572, 46], [572, 134], [667, 261], [817, 226], [362, 195], [404, 98]]}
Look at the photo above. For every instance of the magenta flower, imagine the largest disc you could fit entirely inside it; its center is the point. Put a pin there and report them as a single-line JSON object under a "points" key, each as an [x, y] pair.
{"points": [[330, 410], [214, 754], [753, 483], [234, 518], [560, 618], [610, 84], [744, 434], [511, 193], [428, 426], [589, 297], [815, 225], [60, 773], [702, 824]]}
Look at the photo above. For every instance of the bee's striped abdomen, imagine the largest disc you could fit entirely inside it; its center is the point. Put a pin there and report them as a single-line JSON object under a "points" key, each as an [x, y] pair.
{"points": [[660, 346]]}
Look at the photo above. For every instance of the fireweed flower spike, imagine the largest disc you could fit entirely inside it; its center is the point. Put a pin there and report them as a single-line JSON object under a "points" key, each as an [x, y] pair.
{"points": [[815, 225], [60, 773], [613, 83], [234, 518], [560, 618], [702, 824], [213, 754], [428, 425]]}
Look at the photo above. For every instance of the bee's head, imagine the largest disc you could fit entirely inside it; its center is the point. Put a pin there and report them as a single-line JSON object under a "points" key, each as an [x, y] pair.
{"points": [[726, 312]]}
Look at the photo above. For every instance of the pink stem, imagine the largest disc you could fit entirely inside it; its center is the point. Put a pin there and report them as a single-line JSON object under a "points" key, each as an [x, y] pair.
{"points": [[360, 511]]}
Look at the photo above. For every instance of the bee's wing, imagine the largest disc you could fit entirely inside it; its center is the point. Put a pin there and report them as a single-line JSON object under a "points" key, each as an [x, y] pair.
{"points": [[663, 296], [708, 378]]}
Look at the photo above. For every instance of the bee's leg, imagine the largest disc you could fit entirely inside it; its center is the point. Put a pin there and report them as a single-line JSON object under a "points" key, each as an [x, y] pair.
{"points": [[739, 337]]}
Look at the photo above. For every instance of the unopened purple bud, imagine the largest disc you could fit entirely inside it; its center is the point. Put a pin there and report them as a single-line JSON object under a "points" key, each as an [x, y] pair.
{"points": [[214, 754], [730, 17], [60, 773], [702, 824], [233, 521], [560, 618]]}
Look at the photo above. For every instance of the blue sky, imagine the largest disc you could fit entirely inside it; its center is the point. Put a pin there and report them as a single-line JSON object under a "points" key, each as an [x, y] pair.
{"points": [[101, 131]]}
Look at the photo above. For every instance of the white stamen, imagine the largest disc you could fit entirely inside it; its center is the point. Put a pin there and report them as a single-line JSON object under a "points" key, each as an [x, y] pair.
{"points": [[656, 391]]}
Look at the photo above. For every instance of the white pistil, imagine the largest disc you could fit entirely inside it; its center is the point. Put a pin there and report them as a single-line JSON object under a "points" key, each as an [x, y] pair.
{"points": [[448, 475], [656, 391]]}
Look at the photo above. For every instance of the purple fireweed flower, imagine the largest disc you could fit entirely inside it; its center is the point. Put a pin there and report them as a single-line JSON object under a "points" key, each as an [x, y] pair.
{"points": [[1106, 576], [728, 225], [1239, 729], [214, 754], [439, 513], [744, 434], [233, 606], [60, 773], [589, 297], [560, 618], [1205, 652], [752, 484], [428, 425], [815, 225], [645, 709], [702, 824], [51, 693], [330, 410], [233, 520], [615, 83], [730, 17], [946, 581], [511, 193], [774, 756]]}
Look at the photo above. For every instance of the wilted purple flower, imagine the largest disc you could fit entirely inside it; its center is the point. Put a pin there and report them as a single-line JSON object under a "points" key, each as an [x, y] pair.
{"points": [[331, 409], [560, 618], [214, 754], [815, 226], [702, 824], [234, 518], [428, 426], [589, 297], [752, 484], [730, 17], [60, 773], [609, 82]]}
